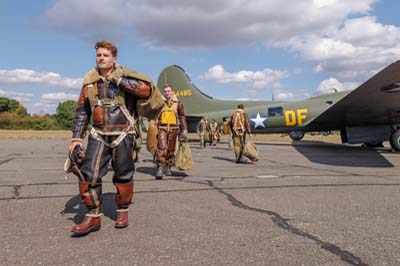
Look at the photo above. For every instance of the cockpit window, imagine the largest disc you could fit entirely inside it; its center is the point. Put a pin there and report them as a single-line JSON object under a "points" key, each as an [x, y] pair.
{"points": [[275, 111]]}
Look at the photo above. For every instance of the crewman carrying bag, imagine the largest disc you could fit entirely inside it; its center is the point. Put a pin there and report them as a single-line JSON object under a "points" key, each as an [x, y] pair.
{"points": [[238, 122], [151, 140], [183, 157], [226, 129], [250, 151]]}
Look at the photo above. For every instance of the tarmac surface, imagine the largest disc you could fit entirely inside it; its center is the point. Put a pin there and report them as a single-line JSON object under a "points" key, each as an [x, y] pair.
{"points": [[310, 203]]}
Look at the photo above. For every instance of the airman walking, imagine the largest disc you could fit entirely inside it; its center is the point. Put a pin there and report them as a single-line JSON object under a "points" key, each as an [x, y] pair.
{"points": [[240, 128]]}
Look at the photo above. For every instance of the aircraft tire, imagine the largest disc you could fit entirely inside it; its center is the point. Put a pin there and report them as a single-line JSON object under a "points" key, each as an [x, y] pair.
{"points": [[296, 135], [395, 140]]}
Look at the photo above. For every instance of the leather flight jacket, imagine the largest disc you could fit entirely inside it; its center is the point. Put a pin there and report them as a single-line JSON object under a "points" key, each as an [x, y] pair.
{"points": [[245, 127], [111, 107], [168, 132]]}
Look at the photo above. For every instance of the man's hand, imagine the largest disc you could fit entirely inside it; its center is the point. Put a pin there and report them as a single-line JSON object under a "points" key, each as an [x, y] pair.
{"points": [[73, 144], [184, 133], [115, 76]]}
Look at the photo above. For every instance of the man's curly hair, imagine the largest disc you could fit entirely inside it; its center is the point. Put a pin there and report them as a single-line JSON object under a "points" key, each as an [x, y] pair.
{"points": [[107, 45]]}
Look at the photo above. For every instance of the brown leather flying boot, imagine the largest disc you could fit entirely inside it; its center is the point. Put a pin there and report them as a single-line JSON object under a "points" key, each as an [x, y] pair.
{"points": [[89, 224], [122, 218], [123, 199]]}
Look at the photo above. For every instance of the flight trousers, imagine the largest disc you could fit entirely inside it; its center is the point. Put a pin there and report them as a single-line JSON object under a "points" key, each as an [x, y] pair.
{"points": [[239, 140], [166, 146], [95, 166]]}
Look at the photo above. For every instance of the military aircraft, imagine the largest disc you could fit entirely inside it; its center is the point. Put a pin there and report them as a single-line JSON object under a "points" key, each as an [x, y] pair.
{"points": [[369, 114]]}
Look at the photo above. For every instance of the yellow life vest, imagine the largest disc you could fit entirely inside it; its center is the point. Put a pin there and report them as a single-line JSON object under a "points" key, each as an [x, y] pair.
{"points": [[169, 115]]}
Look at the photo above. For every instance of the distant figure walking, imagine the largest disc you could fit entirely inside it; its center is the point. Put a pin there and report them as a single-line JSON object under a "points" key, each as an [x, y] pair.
{"points": [[170, 120], [202, 131], [214, 133], [227, 131], [240, 128]]}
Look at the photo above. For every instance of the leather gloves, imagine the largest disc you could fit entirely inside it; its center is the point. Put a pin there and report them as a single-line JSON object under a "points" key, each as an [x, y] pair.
{"points": [[116, 76], [183, 134]]}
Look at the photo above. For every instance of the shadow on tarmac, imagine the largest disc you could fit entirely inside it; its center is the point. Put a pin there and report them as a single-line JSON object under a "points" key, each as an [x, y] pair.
{"points": [[152, 171], [243, 161], [339, 154], [75, 206]]}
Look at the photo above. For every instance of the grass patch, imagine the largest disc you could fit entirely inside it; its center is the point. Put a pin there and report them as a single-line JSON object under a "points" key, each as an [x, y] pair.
{"points": [[35, 134], [66, 134]]}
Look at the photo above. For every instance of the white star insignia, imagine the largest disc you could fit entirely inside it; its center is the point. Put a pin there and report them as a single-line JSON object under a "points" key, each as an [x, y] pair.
{"points": [[259, 121]]}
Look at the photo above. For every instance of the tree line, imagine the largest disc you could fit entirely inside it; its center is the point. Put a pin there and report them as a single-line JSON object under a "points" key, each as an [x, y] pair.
{"points": [[13, 115]]}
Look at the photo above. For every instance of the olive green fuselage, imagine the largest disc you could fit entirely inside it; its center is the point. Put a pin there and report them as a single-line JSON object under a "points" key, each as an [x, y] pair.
{"points": [[265, 116]]}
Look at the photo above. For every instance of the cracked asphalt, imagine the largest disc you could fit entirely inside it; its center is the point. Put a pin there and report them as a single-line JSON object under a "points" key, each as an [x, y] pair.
{"points": [[310, 203]]}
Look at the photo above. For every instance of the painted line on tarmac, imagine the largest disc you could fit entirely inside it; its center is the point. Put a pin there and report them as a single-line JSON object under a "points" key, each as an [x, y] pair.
{"points": [[266, 176]]}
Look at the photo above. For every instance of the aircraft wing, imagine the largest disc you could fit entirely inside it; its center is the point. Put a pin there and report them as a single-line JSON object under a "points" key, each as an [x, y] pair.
{"points": [[376, 102]]}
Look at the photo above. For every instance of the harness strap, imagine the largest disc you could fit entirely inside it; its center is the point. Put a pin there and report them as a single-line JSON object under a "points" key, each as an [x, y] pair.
{"points": [[114, 143], [238, 121], [118, 101], [92, 97], [128, 116]]}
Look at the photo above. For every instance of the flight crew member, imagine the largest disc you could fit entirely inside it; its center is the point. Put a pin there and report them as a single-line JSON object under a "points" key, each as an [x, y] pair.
{"points": [[202, 127], [111, 97], [226, 129], [240, 128], [170, 120], [214, 132]]}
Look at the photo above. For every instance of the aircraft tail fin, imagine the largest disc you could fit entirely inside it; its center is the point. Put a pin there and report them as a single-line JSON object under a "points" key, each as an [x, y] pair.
{"points": [[193, 99]]}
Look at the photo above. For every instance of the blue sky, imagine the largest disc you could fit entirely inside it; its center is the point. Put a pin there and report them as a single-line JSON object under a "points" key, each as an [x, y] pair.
{"points": [[231, 49]]}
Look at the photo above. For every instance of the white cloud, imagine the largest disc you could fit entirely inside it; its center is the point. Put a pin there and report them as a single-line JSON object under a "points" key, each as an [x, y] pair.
{"points": [[59, 96], [331, 85], [283, 96], [207, 23], [277, 86], [340, 37], [48, 102], [259, 79], [358, 49], [366, 32], [244, 99], [26, 77], [19, 96], [44, 108]]}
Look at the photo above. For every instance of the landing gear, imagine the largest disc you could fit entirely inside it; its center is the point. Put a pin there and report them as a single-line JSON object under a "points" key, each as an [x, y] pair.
{"points": [[395, 140], [296, 135]]}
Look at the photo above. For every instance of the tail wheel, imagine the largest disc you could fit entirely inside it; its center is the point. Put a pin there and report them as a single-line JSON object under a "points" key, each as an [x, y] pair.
{"points": [[395, 140]]}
